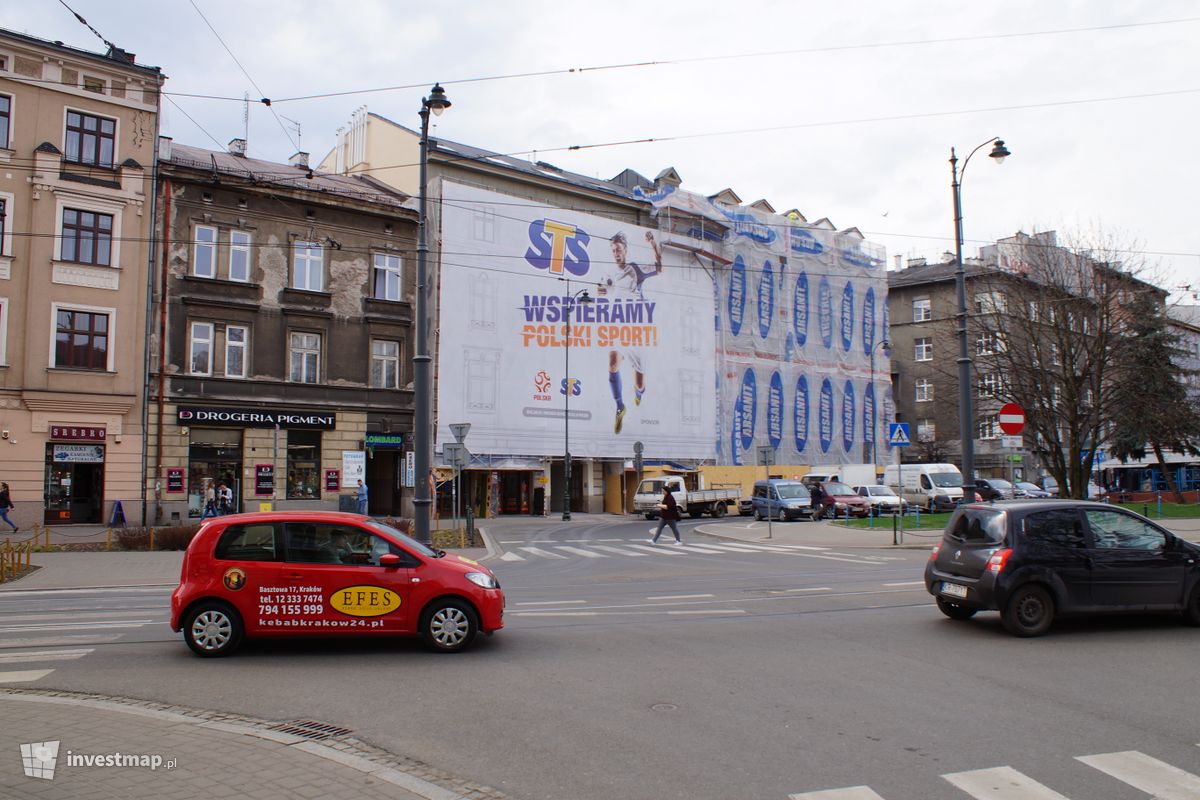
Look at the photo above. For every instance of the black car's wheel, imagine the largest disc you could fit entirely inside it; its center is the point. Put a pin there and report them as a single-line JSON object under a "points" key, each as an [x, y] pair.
{"points": [[212, 629], [449, 625], [1029, 612], [953, 610], [718, 509], [1191, 612]]}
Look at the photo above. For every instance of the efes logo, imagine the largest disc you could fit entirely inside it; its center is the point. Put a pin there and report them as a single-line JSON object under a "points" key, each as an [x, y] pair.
{"points": [[825, 415], [775, 410], [800, 414], [847, 328], [848, 416], [234, 579], [800, 310], [365, 601], [766, 300], [558, 247]]}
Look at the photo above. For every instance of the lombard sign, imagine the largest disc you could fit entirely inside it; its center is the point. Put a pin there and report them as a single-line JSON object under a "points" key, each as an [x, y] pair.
{"points": [[255, 417]]}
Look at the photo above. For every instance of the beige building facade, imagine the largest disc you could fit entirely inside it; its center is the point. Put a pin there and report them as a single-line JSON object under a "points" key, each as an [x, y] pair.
{"points": [[78, 133]]}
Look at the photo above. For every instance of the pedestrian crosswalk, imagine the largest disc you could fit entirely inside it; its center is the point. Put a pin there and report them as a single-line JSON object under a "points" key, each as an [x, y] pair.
{"points": [[515, 550], [1159, 779]]}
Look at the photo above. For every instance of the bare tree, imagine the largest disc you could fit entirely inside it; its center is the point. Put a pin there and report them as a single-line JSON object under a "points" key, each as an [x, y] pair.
{"points": [[1057, 313]]}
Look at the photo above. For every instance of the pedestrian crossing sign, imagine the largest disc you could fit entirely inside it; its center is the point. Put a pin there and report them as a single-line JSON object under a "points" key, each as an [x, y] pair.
{"points": [[898, 434]]}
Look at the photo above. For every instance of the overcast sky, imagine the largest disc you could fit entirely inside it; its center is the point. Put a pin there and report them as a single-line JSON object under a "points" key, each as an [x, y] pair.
{"points": [[842, 110]]}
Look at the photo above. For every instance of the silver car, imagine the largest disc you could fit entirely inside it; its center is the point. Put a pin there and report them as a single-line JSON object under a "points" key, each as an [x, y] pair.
{"points": [[881, 499]]}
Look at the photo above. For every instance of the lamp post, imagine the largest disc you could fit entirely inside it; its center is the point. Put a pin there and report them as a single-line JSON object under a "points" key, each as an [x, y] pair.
{"points": [[437, 102], [966, 418], [887, 349], [569, 386]]}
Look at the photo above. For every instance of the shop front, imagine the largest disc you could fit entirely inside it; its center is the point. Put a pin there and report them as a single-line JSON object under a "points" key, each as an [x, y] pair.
{"points": [[74, 474]]}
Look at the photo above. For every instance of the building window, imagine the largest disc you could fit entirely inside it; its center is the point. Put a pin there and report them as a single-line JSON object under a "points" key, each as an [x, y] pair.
{"points": [[200, 357], [989, 303], [990, 385], [987, 343], [303, 465], [924, 388], [5, 250], [81, 340], [235, 351], [239, 256], [385, 364], [922, 309], [305, 357], [989, 427], [86, 237], [923, 349], [308, 266], [483, 224], [5, 118], [204, 252], [91, 139], [926, 430], [387, 277]]}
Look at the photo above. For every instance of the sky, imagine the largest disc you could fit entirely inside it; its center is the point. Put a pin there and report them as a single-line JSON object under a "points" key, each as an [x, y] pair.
{"points": [[845, 111]]}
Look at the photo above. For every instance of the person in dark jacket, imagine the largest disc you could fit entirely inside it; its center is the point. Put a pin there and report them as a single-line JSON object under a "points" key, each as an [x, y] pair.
{"points": [[5, 504], [668, 513], [818, 500]]}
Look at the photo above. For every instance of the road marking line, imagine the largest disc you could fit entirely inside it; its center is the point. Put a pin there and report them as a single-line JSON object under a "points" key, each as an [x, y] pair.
{"points": [[44, 655], [49, 641], [680, 596], [579, 551], [550, 602], [618, 550], [710, 611], [164, 588], [1001, 783], [813, 589], [906, 583], [702, 548], [512, 541], [537, 551], [46, 615], [77, 626], [24, 676], [553, 613], [610, 540], [661, 549], [1154, 777], [849, 793], [511, 557]]}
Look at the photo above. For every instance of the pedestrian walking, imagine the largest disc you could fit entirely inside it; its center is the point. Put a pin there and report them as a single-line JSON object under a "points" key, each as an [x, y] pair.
{"points": [[210, 501], [362, 497], [6, 503], [224, 498], [818, 501], [668, 513]]}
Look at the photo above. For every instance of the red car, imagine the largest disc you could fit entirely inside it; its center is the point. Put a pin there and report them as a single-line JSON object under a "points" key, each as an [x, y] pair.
{"points": [[839, 500], [326, 573]]}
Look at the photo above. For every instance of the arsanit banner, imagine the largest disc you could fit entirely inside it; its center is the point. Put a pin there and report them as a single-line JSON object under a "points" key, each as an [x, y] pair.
{"points": [[641, 353]]}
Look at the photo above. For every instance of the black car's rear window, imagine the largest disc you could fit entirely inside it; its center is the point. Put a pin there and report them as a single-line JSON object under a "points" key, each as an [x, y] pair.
{"points": [[977, 525]]}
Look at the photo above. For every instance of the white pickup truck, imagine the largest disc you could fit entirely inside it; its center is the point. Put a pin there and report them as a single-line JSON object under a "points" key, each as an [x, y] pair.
{"points": [[694, 503]]}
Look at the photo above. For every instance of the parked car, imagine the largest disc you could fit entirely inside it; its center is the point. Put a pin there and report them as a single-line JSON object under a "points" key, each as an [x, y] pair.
{"points": [[745, 506], [881, 499], [779, 498], [1050, 485], [994, 489], [1030, 490], [839, 500], [1036, 560], [326, 573]]}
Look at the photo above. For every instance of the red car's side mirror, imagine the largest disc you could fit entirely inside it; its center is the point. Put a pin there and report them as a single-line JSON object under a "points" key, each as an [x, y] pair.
{"points": [[389, 560]]}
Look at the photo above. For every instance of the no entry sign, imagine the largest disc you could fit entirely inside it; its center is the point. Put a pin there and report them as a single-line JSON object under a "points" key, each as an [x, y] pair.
{"points": [[1012, 419]]}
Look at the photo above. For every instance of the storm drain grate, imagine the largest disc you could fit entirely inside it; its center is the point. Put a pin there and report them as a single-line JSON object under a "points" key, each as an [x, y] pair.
{"points": [[310, 729]]}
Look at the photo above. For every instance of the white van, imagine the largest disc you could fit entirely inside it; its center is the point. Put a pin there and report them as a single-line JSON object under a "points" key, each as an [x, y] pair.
{"points": [[930, 486]]}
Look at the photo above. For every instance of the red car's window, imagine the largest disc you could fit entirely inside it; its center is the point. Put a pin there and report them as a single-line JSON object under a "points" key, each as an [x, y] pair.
{"points": [[255, 542]]}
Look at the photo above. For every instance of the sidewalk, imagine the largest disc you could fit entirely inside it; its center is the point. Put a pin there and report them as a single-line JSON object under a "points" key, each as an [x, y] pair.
{"points": [[173, 753]]}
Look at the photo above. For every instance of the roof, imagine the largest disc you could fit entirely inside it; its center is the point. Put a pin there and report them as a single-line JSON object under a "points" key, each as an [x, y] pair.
{"points": [[540, 169], [1187, 315], [933, 273], [270, 173], [116, 58]]}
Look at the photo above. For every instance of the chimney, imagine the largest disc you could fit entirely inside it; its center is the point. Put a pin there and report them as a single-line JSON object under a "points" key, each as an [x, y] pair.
{"points": [[117, 54], [918, 261], [299, 160], [164, 148], [237, 147]]}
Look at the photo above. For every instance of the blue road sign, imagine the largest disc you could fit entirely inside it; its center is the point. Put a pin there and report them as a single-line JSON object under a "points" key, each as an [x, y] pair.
{"points": [[898, 434]]}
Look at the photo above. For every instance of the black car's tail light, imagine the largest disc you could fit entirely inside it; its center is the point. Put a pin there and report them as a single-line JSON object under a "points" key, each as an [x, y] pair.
{"points": [[998, 559], [933, 553]]}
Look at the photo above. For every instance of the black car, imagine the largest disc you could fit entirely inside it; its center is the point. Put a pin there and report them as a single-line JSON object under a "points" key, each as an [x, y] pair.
{"points": [[1033, 560], [994, 489]]}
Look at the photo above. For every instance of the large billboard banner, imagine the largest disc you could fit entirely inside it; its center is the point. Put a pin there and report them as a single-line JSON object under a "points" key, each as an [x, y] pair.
{"points": [[640, 353]]}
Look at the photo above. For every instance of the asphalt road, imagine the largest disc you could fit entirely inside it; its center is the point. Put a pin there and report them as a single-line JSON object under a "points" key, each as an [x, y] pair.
{"points": [[706, 672]]}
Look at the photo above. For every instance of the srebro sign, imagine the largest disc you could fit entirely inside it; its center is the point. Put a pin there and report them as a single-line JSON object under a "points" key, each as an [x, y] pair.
{"points": [[255, 417]]}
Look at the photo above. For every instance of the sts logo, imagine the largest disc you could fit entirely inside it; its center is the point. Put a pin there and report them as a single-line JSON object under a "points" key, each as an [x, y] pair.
{"points": [[541, 386], [558, 247], [575, 384]]}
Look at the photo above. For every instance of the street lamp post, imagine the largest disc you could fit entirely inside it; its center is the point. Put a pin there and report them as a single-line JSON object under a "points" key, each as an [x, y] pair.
{"points": [[437, 102], [887, 349], [966, 418], [583, 298]]}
